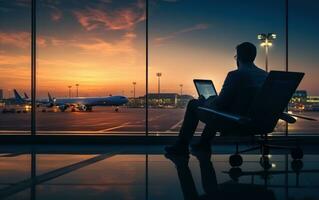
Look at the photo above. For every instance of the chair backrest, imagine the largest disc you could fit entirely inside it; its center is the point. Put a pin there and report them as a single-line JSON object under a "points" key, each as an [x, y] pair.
{"points": [[272, 99]]}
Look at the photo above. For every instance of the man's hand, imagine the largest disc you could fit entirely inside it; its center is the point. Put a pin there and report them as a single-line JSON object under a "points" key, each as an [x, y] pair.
{"points": [[209, 101], [201, 98]]}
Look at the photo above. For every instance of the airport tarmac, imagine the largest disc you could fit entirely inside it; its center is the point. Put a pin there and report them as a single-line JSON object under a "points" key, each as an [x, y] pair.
{"points": [[104, 120]]}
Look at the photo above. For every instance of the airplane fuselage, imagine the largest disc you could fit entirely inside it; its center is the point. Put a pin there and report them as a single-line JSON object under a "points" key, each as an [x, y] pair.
{"points": [[92, 101]]}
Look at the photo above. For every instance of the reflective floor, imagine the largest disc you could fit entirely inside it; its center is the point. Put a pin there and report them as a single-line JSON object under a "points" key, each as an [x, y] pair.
{"points": [[143, 172]]}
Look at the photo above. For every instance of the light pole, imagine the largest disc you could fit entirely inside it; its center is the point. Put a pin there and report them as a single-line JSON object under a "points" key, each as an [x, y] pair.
{"points": [[158, 74], [181, 85], [77, 89], [134, 83], [70, 86], [266, 41]]}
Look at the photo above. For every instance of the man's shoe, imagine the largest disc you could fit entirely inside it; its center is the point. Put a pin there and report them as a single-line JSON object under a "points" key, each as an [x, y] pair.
{"points": [[201, 146], [177, 149]]}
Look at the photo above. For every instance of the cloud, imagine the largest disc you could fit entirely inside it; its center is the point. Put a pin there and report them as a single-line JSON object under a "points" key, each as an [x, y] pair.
{"points": [[97, 45], [115, 19], [160, 40], [23, 3], [57, 42], [16, 39], [6, 59], [56, 15], [23, 40]]}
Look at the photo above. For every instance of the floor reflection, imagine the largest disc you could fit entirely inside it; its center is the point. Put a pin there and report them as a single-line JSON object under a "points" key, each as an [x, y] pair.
{"points": [[145, 173]]}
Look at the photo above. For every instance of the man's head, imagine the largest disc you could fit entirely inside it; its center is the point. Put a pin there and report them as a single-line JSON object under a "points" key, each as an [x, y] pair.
{"points": [[246, 52]]}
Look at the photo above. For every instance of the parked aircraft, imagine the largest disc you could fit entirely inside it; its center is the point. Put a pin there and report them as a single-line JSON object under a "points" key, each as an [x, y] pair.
{"points": [[86, 103], [19, 99], [80, 103]]}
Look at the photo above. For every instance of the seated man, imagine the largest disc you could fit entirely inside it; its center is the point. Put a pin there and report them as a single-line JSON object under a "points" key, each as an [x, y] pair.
{"points": [[237, 93]]}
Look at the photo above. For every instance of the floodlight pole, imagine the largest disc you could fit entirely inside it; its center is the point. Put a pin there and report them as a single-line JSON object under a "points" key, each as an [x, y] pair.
{"points": [[181, 85], [134, 83], [69, 90], [77, 90], [266, 41], [159, 74], [266, 52]]}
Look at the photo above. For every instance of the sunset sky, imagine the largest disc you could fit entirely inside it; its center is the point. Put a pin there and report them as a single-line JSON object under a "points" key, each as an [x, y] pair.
{"points": [[100, 44]]}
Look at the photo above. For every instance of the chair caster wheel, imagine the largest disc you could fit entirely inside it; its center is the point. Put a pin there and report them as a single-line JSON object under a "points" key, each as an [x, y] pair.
{"points": [[297, 153], [265, 162], [235, 160], [235, 173], [296, 165]]}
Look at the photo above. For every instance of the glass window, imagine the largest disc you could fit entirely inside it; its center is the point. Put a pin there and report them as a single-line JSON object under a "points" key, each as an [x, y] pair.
{"points": [[303, 37], [91, 67], [191, 39], [15, 67]]}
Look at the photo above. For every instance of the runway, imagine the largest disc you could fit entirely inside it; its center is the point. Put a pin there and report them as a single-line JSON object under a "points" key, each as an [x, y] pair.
{"points": [[104, 120]]}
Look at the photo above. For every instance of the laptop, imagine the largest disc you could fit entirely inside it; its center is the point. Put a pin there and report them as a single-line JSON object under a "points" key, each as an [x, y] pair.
{"points": [[205, 88]]}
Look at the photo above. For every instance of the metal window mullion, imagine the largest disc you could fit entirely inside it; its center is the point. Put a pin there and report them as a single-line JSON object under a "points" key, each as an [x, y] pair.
{"points": [[287, 50], [33, 67], [146, 72]]}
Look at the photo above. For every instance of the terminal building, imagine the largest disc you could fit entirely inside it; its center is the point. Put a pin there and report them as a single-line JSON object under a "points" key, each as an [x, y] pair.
{"points": [[312, 103], [168, 100], [301, 101], [300, 96], [161, 100]]}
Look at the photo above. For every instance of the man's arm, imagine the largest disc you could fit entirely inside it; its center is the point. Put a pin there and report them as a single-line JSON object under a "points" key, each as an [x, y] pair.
{"points": [[227, 94]]}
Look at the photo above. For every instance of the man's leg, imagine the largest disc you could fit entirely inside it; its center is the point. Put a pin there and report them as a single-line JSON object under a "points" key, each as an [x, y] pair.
{"points": [[187, 130], [208, 133], [204, 143], [190, 122]]}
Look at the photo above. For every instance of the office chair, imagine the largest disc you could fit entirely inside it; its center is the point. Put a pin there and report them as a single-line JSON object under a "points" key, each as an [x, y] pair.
{"points": [[267, 108]]}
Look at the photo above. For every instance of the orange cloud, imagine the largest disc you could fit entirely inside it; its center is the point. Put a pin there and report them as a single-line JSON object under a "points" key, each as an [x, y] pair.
{"points": [[124, 45], [14, 70], [180, 32], [22, 39], [6, 60], [121, 19], [18, 39]]}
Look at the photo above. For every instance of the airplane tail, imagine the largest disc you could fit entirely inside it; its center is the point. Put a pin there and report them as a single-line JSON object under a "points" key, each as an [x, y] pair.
{"points": [[50, 98], [26, 96], [17, 97]]}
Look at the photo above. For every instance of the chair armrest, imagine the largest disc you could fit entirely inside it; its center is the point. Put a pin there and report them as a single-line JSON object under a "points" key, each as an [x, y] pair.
{"points": [[229, 116], [287, 118]]}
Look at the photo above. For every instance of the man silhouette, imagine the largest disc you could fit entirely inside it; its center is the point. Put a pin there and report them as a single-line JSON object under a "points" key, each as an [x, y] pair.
{"points": [[236, 95]]}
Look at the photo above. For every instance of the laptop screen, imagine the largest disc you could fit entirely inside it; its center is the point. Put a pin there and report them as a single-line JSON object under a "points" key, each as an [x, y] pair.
{"points": [[205, 88]]}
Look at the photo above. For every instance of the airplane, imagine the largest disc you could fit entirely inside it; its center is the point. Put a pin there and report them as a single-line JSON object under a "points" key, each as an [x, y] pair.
{"points": [[80, 103], [19, 99], [86, 103], [26, 96]]}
